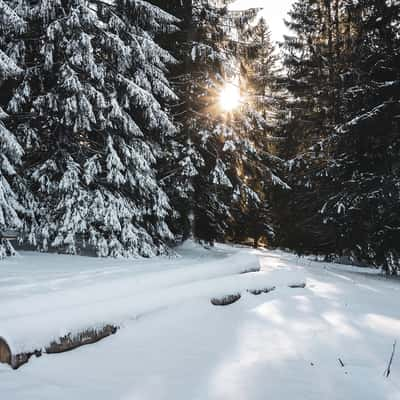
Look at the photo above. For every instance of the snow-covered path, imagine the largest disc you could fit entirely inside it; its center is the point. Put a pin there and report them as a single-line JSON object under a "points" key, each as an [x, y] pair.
{"points": [[173, 344]]}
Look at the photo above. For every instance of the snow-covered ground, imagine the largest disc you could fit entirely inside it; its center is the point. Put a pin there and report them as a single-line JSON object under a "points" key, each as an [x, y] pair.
{"points": [[174, 345]]}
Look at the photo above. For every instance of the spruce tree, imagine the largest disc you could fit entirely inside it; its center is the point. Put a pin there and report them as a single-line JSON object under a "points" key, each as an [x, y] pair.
{"points": [[198, 184], [343, 73], [258, 169], [363, 151], [312, 57], [101, 95], [219, 149], [12, 26]]}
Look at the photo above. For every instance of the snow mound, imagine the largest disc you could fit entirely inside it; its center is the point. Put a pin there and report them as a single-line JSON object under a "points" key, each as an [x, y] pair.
{"points": [[323, 341]]}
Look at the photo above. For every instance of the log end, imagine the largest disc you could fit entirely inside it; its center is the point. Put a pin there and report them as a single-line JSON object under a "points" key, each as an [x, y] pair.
{"points": [[5, 352]]}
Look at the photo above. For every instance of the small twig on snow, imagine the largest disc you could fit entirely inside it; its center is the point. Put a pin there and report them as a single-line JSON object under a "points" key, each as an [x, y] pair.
{"points": [[387, 371]]}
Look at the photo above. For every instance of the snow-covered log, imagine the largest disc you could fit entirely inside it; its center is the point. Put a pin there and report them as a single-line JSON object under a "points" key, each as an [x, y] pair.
{"points": [[63, 344]]}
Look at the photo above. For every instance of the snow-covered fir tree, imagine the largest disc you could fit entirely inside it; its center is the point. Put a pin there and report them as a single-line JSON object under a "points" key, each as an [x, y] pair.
{"points": [[257, 169], [363, 152], [100, 97], [343, 74], [218, 151], [313, 58], [199, 182], [12, 26]]}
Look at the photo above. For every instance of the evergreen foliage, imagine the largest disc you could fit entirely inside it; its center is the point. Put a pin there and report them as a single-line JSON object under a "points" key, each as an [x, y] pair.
{"points": [[364, 150], [224, 162], [260, 170], [99, 95], [343, 134], [114, 135], [12, 25]]}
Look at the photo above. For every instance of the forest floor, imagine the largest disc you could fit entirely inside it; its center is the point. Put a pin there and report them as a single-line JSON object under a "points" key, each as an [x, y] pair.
{"points": [[331, 339]]}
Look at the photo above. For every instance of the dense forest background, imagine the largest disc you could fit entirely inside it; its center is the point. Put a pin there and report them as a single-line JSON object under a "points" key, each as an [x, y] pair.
{"points": [[113, 135]]}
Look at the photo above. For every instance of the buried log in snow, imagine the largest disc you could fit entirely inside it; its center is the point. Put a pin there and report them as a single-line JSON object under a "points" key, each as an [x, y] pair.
{"points": [[70, 342], [226, 300], [257, 292], [249, 270], [298, 286], [65, 343]]}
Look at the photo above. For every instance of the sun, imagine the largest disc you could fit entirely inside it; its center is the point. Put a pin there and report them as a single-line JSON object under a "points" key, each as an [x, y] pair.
{"points": [[229, 97]]}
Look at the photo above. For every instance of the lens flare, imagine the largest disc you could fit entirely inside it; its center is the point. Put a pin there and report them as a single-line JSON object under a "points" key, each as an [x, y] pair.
{"points": [[229, 97]]}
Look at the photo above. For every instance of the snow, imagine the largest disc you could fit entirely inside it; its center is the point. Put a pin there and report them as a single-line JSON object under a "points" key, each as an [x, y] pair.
{"points": [[173, 344]]}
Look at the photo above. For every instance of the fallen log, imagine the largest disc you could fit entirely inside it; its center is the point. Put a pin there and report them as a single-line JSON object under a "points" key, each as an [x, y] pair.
{"points": [[226, 300], [250, 270], [257, 292], [89, 336], [63, 344], [297, 286]]}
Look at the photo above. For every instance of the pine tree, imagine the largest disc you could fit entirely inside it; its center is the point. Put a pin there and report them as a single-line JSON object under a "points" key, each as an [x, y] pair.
{"points": [[258, 169], [199, 183], [218, 154], [364, 150], [101, 96], [344, 137], [12, 25], [312, 57]]}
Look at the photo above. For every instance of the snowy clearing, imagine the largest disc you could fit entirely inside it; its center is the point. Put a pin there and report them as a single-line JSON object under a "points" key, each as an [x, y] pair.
{"points": [[287, 343]]}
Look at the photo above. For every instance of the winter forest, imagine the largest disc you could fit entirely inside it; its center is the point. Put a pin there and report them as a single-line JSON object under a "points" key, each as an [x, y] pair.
{"points": [[128, 125], [221, 207]]}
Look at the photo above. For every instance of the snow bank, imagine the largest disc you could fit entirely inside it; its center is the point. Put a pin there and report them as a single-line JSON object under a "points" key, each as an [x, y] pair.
{"points": [[330, 340], [70, 302]]}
